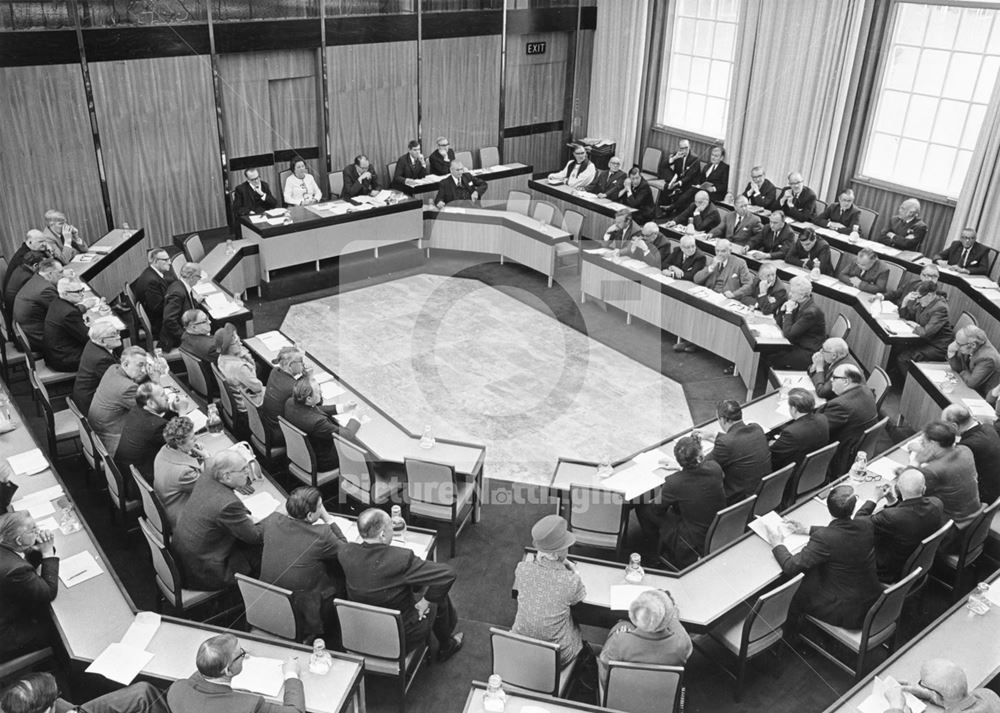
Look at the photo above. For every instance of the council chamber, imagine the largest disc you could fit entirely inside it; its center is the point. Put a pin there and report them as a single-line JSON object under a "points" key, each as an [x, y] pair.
{"points": [[512, 355]]}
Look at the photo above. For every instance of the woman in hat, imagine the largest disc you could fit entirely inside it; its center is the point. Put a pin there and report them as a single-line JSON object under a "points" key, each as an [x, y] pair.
{"points": [[652, 635], [547, 587]]}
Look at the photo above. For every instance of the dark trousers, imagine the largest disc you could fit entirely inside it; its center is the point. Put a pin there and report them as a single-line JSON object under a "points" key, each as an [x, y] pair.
{"points": [[441, 620]]}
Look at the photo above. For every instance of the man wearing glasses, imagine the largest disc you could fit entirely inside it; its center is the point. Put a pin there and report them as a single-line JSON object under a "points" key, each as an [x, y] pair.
{"points": [[851, 410], [441, 159], [253, 195], [833, 353], [29, 582], [210, 690], [578, 172], [101, 353], [65, 330], [150, 288], [197, 337], [944, 684]]}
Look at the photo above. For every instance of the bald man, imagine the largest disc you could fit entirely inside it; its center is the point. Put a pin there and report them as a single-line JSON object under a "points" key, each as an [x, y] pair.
{"points": [[459, 185], [984, 442], [701, 214], [906, 231], [797, 200], [648, 245], [833, 353], [685, 261], [944, 684]]}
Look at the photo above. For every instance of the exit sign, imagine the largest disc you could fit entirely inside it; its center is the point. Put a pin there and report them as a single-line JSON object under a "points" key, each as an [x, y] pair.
{"points": [[535, 47]]}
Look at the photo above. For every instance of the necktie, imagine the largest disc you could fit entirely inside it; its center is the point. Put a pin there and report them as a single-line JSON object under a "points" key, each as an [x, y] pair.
{"points": [[965, 257]]}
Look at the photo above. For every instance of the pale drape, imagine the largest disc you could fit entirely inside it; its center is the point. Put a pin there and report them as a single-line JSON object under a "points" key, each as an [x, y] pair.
{"points": [[793, 69], [619, 60]]}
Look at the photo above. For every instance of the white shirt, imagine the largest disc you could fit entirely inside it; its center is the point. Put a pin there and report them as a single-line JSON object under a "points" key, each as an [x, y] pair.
{"points": [[579, 179], [295, 193]]}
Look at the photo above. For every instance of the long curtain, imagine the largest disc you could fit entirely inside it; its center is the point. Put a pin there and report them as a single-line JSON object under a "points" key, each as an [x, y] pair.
{"points": [[791, 82], [619, 61]]}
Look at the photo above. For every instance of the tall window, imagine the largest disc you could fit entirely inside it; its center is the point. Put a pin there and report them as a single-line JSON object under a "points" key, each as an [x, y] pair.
{"points": [[695, 95], [938, 78]]}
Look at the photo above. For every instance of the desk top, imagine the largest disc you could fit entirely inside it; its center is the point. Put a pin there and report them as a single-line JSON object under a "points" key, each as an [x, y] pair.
{"points": [[583, 199], [524, 702], [946, 387], [112, 245], [429, 184], [333, 212], [536, 229]]}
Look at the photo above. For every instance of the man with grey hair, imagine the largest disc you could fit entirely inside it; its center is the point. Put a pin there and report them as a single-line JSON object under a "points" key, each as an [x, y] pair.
{"points": [[866, 272], [684, 261], [849, 412], [841, 216], [33, 300], [198, 338], [906, 231], [100, 354], [944, 684], [65, 330], [460, 185], [833, 353], [974, 359], [767, 292], [115, 396], [774, 241], [906, 293], [798, 201], [176, 301], [29, 582], [578, 172], [739, 227], [759, 190], [33, 241], [64, 236], [150, 288], [610, 180], [802, 323], [699, 217], [647, 245], [966, 256], [726, 274], [215, 536], [984, 442]]}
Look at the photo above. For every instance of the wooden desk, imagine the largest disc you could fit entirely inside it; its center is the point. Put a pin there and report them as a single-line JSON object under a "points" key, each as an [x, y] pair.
{"points": [[524, 701], [108, 273], [499, 180], [236, 271], [925, 394], [598, 213]]}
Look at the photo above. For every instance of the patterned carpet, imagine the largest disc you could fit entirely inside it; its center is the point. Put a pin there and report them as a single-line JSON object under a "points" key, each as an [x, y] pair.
{"points": [[476, 364]]}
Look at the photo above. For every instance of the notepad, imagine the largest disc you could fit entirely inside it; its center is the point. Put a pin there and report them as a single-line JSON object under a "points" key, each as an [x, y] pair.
{"points": [[330, 390], [877, 702], [980, 409], [29, 462], [257, 219], [199, 419], [772, 520], [78, 568], [273, 340], [260, 675], [142, 630], [260, 505], [621, 596], [884, 467], [767, 331], [897, 326]]}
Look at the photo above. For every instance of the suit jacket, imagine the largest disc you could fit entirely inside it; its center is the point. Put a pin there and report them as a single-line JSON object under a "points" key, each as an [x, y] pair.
{"points": [[687, 170], [448, 191], [933, 322], [659, 248], [246, 200], [174, 476], [202, 346], [640, 200], [984, 442], [873, 280], [716, 176], [150, 289], [405, 168], [211, 525], [803, 206], [24, 595], [439, 165], [300, 557], [805, 326], [689, 265], [979, 370], [776, 246], [768, 303], [849, 415], [899, 529], [197, 694], [65, 336], [952, 477], [354, 187], [801, 257], [21, 274], [7, 491], [142, 438], [15, 260], [739, 231], [704, 220], [765, 198], [799, 438], [839, 561], [607, 182], [114, 397], [823, 378], [847, 218], [176, 302], [905, 235], [94, 361], [745, 458], [319, 428], [30, 307], [734, 277], [977, 262]]}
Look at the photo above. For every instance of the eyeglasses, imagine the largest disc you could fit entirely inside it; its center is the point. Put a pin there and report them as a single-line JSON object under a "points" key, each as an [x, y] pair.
{"points": [[932, 690], [444, 145], [844, 378], [241, 655]]}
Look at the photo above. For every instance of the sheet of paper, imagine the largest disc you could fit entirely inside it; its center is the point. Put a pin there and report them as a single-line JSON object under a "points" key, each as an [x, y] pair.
{"points": [[773, 520], [273, 340], [260, 505], [877, 702], [204, 288], [938, 376], [260, 675], [994, 594], [29, 462], [78, 568], [348, 527], [634, 480], [621, 596], [257, 219], [100, 249], [980, 409], [48, 524], [120, 663], [331, 390], [199, 419], [40, 508], [142, 630], [50, 493], [418, 550], [767, 331], [598, 251], [897, 326], [886, 467]]}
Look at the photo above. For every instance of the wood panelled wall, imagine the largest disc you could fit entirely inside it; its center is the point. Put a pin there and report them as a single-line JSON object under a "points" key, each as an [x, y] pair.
{"points": [[937, 215]]}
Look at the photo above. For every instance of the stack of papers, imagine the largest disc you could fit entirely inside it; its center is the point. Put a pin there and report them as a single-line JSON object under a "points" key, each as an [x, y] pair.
{"points": [[349, 528], [260, 675], [884, 467], [123, 661], [199, 419], [29, 462], [78, 568], [773, 520], [767, 331], [257, 219], [219, 305], [39, 504], [980, 409], [100, 249], [897, 327], [260, 505], [621, 596], [878, 703], [204, 288]]}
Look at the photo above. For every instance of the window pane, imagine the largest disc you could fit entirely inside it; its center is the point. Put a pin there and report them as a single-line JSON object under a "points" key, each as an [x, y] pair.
{"points": [[977, 112], [881, 156], [962, 74], [933, 64], [974, 30], [910, 159], [728, 10], [680, 73], [959, 172], [987, 79], [892, 112], [937, 168], [944, 25], [699, 74], [725, 40], [911, 23], [683, 36], [703, 36], [718, 82], [902, 68], [695, 109], [950, 122], [687, 8], [920, 117]]}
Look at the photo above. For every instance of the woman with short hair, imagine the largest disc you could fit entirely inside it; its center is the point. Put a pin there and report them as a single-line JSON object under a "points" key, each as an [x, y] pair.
{"points": [[653, 635]]}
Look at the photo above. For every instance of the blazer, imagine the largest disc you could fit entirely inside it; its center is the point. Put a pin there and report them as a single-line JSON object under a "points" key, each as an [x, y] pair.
{"points": [[299, 556], [952, 478], [7, 491], [65, 336], [21, 274], [25, 594], [15, 260], [839, 562], [114, 397], [688, 265], [768, 303], [197, 694], [805, 326], [212, 522], [407, 169], [745, 458], [439, 165], [849, 415], [704, 220], [246, 200], [686, 169], [150, 289], [276, 394], [765, 197], [979, 370], [905, 235], [202, 346], [94, 361], [174, 476], [776, 246], [716, 176], [141, 440], [803, 206], [933, 322], [737, 230], [800, 257], [176, 301], [899, 529], [354, 187], [607, 182], [448, 191], [640, 200], [659, 248], [798, 438], [31, 306], [319, 428], [873, 280], [984, 442], [823, 378], [977, 262], [735, 277], [847, 218]]}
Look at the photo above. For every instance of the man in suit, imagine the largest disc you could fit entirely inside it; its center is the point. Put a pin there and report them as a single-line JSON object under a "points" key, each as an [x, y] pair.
{"points": [[686, 261], [802, 323], [39, 693], [441, 159], [950, 472], [64, 236], [740, 227], [774, 241], [578, 171], [300, 552], [760, 191], [637, 195], [177, 300], [797, 200], [410, 167], [100, 354], [253, 195], [617, 235], [726, 274], [115, 396], [150, 288], [385, 576], [908, 517], [965, 255], [849, 413], [609, 181], [197, 337], [984, 442], [142, 431], [930, 312], [33, 242], [907, 289], [681, 171], [65, 330], [215, 537], [975, 360], [714, 181], [460, 185], [839, 563], [32, 301], [648, 245], [906, 231], [805, 433], [841, 216], [867, 273], [360, 178], [289, 368], [741, 449], [7, 486], [699, 217], [832, 354], [767, 292], [19, 276], [810, 251], [944, 684], [29, 582], [210, 690], [304, 410]]}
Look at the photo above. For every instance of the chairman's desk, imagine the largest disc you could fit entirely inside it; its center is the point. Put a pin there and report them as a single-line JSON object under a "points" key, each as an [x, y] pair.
{"points": [[499, 180]]}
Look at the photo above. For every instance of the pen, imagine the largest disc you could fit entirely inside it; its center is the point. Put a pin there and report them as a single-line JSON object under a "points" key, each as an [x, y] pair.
{"points": [[74, 576]]}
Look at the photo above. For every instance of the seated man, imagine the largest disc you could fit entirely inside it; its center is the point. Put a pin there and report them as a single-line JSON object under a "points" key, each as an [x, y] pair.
{"points": [[100, 354], [210, 690], [726, 274], [617, 235], [839, 562], [930, 312], [253, 195], [647, 245], [945, 685], [410, 167], [797, 200], [866, 272], [681, 171], [774, 241], [65, 330], [714, 181], [740, 228], [177, 300], [950, 472], [215, 537], [908, 517], [34, 241], [965, 255], [907, 290], [767, 292], [975, 360], [300, 546], [849, 412], [653, 634], [25, 594], [39, 693], [805, 433], [150, 288], [459, 186], [440, 160], [698, 217], [984, 442], [802, 323], [685, 261], [833, 353], [32, 301], [385, 576], [809, 252], [198, 338], [142, 429], [177, 467], [608, 181], [906, 231], [637, 195], [842, 216], [742, 451], [760, 191], [304, 410], [65, 236], [115, 396], [360, 179], [578, 171], [21, 275]]}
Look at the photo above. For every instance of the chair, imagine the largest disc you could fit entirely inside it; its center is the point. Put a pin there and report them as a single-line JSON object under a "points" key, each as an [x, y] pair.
{"points": [[923, 556], [302, 458], [572, 223], [871, 436], [771, 490], [21, 664], [971, 542], [60, 426], [260, 435], [283, 175], [650, 164], [86, 436], [11, 354], [529, 664], [193, 249], [811, 473], [228, 410], [866, 221], [174, 355], [390, 171], [197, 374], [358, 478], [45, 375], [879, 382], [820, 207], [655, 190], [177, 262], [519, 202], [121, 506], [965, 320], [464, 158], [434, 492], [729, 524], [879, 627], [759, 631], [336, 180], [168, 576], [841, 327], [643, 687], [152, 508], [543, 212], [597, 517], [377, 635], [268, 608], [489, 156]]}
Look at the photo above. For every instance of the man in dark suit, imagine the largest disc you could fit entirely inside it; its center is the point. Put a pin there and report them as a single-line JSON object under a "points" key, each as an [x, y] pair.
{"points": [[18, 277], [210, 690], [142, 431], [7, 487], [608, 181], [681, 171], [33, 300], [178, 300], [949, 469], [714, 181], [767, 292], [409, 167], [300, 551], [975, 360], [849, 413], [197, 337], [906, 231], [802, 323], [984, 442], [740, 227], [635, 193], [832, 354], [459, 186], [150, 288], [617, 235], [100, 354], [360, 178], [841, 216], [253, 195], [304, 410], [33, 241], [25, 594], [797, 200], [39, 693], [385, 576], [685, 261], [839, 563], [440, 160], [965, 255], [907, 519], [866, 272], [289, 367], [741, 449], [806, 432], [930, 312], [774, 241], [65, 330], [215, 537], [760, 191], [907, 289], [810, 251], [648, 245], [701, 215]]}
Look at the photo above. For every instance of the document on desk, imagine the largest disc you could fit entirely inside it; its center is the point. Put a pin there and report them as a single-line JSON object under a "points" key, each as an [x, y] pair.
{"points": [[621, 596], [260, 675], [205, 288], [980, 409], [772, 520], [260, 505], [273, 340], [642, 475], [331, 390], [348, 528], [878, 703], [78, 568], [885, 468], [938, 376], [28, 463], [199, 419], [219, 304], [120, 663], [142, 630], [897, 327], [767, 331]]}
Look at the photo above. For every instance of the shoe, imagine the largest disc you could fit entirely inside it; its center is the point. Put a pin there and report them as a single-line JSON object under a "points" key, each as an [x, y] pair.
{"points": [[456, 645], [681, 346]]}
